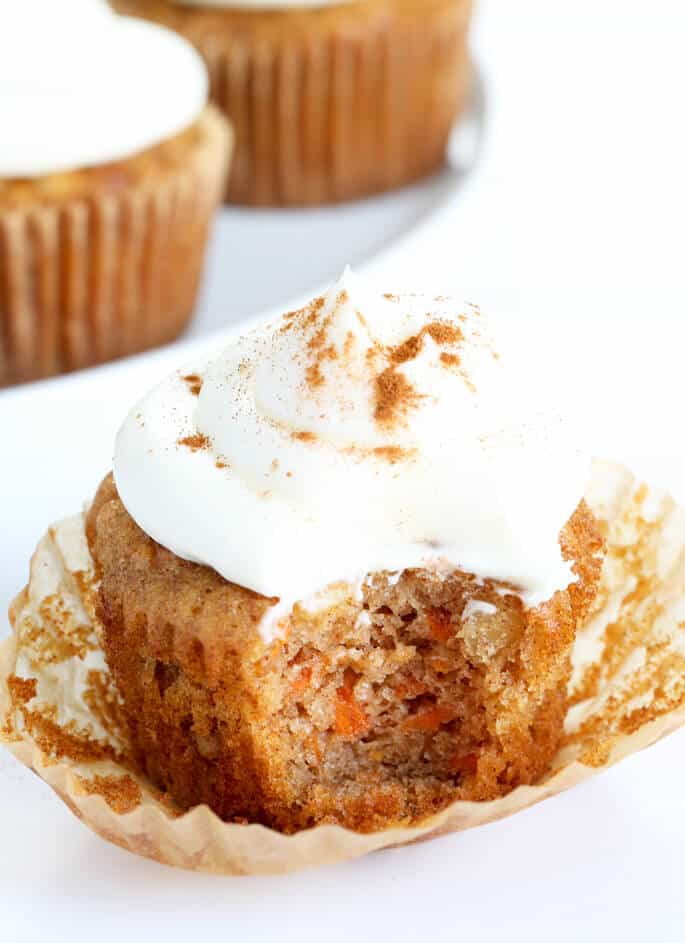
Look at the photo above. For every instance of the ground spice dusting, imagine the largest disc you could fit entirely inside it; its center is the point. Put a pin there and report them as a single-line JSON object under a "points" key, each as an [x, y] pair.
{"points": [[311, 312], [393, 453], [304, 436], [194, 442], [303, 317], [441, 332], [194, 383], [394, 397], [313, 374]]}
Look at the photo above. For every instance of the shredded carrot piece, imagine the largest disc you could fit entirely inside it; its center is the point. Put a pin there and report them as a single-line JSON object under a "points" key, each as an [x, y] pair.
{"points": [[301, 682], [464, 763], [410, 688], [440, 665], [439, 625], [430, 720], [313, 744], [350, 719]]}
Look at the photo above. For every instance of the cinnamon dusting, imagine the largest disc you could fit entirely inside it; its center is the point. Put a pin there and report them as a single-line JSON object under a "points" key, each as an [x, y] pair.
{"points": [[394, 394], [441, 332], [394, 397], [393, 453], [194, 382], [313, 374], [194, 442]]}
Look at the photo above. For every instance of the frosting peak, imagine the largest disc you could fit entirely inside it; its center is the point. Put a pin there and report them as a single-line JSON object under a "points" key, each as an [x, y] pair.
{"points": [[81, 86], [364, 432]]}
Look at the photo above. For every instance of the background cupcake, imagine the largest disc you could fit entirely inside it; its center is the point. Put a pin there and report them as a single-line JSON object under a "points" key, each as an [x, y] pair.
{"points": [[111, 167], [330, 100]]}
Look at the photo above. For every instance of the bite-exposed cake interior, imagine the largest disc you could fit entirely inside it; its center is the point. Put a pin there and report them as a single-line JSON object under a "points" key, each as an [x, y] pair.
{"points": [[380, 707], [342, 568]]}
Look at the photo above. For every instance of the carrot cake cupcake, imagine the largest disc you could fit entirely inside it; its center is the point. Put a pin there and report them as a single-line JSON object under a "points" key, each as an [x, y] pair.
{"points": [[341, 566], [331, 99], [111, 167]]}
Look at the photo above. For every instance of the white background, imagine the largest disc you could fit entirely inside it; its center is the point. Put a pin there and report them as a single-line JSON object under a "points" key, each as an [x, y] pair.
{"points": [[569, 228]]}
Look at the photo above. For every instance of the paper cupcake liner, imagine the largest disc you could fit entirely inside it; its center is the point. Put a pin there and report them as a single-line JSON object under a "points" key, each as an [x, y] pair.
{"points": [[85, 281], [334, 105], [59, 711]]}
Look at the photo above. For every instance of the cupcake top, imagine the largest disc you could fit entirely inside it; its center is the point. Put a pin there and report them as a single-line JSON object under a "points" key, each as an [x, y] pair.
{"points": [[364, 432], [81, 86]]}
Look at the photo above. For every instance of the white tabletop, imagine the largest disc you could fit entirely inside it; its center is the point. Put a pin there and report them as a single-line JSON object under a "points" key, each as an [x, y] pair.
{"points": [[569, 229]]}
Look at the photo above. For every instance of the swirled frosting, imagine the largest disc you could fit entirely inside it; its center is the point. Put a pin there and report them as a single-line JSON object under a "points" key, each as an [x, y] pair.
{"points": [[364, 432], [81, 86]]}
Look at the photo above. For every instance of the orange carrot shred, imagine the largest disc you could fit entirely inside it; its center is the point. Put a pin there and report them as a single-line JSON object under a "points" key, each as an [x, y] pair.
{"points": [[430, 720], [439, 625], [441, 665], [350, 719], [301, 682], [464, 763], [409, 688]]}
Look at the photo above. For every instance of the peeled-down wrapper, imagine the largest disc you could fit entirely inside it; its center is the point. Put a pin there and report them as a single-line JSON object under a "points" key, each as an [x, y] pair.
{"points": [[61, 715]]}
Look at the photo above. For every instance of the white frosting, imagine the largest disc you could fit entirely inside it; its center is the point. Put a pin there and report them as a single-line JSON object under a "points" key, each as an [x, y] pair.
{"points": [[470, 474], [81, 86], [262, 4]]}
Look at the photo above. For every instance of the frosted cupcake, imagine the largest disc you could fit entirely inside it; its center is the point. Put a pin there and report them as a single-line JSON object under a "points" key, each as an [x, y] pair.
{"points": [[111, 167], [330, 100], [341, 566]]}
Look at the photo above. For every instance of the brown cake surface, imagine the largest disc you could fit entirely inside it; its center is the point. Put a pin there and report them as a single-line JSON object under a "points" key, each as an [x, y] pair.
{"points": [[87, 255], [329, 103], [374, 711], [148, 167]]}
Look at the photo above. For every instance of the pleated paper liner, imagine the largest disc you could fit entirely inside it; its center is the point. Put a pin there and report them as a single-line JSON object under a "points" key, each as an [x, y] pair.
{"points": [[59, 713], [330, 104], [92, 276]]}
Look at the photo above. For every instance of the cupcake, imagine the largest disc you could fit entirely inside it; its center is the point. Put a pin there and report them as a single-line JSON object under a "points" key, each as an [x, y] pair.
{"points": [[111, 167], [331, 99], [341, 564]]}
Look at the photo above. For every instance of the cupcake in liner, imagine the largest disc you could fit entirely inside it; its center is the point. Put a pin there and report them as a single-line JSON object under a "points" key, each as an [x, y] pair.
{"points": [[60, 713], [105, 207], [330, 103]]}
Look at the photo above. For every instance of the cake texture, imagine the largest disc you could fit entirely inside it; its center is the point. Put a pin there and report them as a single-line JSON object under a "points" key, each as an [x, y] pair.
{"points": [[108, 184], [60, 712], [330, 102], [379, 709], [106, 261], [341, 567]]}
